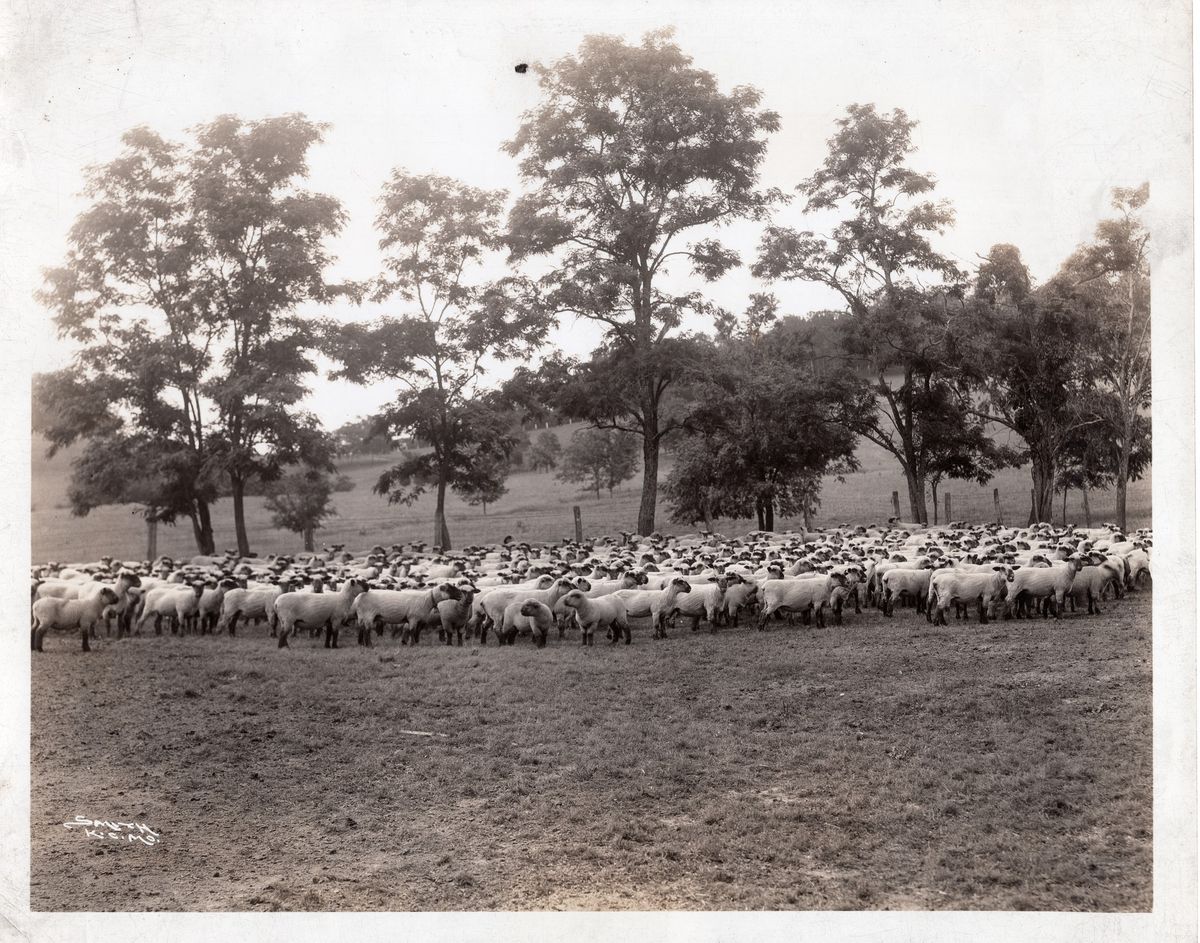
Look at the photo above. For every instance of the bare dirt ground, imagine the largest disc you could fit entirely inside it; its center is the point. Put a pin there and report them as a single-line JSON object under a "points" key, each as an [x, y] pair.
{"points": [[882, 764]]}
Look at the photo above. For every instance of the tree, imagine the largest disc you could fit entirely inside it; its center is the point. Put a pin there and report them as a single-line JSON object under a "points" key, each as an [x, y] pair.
{"points": [[764, 430], [632, 150], [119, 469], [873, 258], [1029, 348], [484, 484], [436, 232], [601, 458], [1109, 280], [179, 285], [362, 436], [299, 501], [546, 452]]}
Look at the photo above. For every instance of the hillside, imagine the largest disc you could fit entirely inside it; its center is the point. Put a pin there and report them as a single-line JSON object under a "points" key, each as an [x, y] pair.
{"points": [[537, 507]]}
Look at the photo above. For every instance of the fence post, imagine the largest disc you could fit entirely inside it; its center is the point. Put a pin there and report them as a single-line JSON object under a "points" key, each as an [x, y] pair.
{"points": [[896, 504], [578, 524], [949, 517], [996, 501]]}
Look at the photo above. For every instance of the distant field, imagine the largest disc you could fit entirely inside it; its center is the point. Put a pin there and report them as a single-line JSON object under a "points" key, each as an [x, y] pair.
{"points": [[537, 507]]}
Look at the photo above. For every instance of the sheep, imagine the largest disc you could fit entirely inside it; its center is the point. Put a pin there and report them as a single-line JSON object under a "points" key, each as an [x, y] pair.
{"points": [[1138, 568], [804, 595], [490, 609], [606, 611], [703, 601], [376, 608], [530, 615], [607, 587], [949, 586], [178, 602], [1090, 583], [738, 597], [900, 582], [1051, 583], [331, 610], [454, 615], [123, 609], [249, 603], [655, 603], [211, 601], [53, 613]]}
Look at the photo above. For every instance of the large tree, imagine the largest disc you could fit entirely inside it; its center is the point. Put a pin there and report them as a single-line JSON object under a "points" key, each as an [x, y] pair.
{"points": [[1029, 350], [436, 234], [874, 258], [299, 501], [180, 286], [632, 152], [1109, 281], [763, 428]]}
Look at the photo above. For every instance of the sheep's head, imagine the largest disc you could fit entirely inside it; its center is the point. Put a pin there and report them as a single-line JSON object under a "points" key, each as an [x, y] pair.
{"points": [[531, 607], [108, 597], [681, 585], [574, 599], [580, 583]]}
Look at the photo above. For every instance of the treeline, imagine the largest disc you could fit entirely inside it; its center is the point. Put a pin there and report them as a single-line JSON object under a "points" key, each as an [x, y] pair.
{"points": [[183, 277]]}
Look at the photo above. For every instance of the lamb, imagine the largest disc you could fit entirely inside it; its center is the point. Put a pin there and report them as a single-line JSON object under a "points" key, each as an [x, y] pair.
{"points": [[126, 600], [804, 595], [332, 610], [211, 601], [376, 608], [603, 611], [655, 603], [607, 587], [530, 615], [950, 586], [54, 613]]}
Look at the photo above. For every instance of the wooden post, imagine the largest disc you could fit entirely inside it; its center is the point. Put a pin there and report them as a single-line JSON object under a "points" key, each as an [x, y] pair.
{"points": [[996, 501], [949, 517], [896, 504], [578, 524]]}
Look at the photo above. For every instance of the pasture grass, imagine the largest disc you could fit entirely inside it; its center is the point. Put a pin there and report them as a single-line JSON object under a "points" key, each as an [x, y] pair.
{"points": [[536, 508], [883, 764]]}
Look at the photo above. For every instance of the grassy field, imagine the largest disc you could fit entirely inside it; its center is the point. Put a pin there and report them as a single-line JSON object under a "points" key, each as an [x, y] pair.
{"points": [[537, 507], [884, 764]]}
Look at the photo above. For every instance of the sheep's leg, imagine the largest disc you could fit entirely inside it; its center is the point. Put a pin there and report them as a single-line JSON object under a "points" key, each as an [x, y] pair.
{"points": [[695, 623], [982, 614], [33, 637], [40, 637], [283, 637], [887, 602], [857, 606], [820, 616], [83, 633], [329, 634]]}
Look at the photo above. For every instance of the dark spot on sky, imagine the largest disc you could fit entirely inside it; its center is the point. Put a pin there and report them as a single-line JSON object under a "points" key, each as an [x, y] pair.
{"points": [[523, 68]]}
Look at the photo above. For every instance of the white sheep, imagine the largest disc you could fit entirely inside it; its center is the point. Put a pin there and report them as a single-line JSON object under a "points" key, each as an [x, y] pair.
{"points": [[655, 603], [812, 594], [379, 607], [296, 610], [1051, 583], [525, 616], [178, 602], [489, 610], [607, 611], [898, 582], [52, 612], [704, 601], [249, 603], [950, 586]]}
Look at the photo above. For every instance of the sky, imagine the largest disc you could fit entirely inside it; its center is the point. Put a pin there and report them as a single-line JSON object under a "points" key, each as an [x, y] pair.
{"points": [[1030, 112]]}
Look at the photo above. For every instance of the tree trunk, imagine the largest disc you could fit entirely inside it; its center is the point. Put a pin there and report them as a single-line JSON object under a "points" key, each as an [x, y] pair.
{"points": [[769, 513], [705, 509], [1064, 507], [1122, 489], [1043, 488], [758, 509], [933, 494], [441, 533], [239, 514], [202, 528], [807, 516], [309, 543], [151, 538], [916, 498], [1087, 512], [649, 476]]}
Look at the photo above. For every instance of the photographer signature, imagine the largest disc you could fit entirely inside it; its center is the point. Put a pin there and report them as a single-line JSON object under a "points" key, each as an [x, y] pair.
{"points": [[124, 832]]}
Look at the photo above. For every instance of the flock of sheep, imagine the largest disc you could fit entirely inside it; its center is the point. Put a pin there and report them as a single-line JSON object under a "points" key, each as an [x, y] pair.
{"points": [[516, 590]]}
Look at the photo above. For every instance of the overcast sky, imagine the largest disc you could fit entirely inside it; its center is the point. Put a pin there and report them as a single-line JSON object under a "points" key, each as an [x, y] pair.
{"points": [[1029, 112]]}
